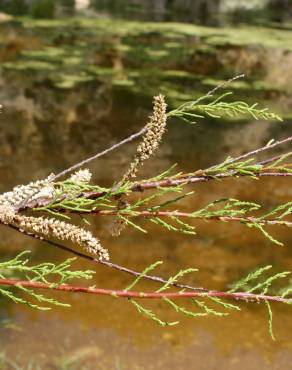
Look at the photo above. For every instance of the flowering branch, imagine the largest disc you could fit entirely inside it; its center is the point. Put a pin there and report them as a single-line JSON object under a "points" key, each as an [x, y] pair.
{"points": [[231, 168], [77, 195], [112, 265]]}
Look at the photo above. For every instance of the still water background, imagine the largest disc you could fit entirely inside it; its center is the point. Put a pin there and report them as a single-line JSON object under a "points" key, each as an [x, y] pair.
{"points": [[46, 127]]}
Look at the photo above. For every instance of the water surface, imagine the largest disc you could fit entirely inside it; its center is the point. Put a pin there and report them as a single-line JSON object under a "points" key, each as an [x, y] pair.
{"points": [[105, 333]]}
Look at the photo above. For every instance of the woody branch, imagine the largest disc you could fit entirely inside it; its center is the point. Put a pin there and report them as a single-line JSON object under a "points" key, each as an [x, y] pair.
{"points": [[244, 296]]}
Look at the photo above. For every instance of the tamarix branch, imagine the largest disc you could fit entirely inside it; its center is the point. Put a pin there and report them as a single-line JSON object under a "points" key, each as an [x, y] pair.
{"points": [[43, 210]]}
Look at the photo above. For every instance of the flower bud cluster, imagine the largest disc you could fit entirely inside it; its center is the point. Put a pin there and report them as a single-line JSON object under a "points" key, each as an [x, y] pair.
{"points": [[81, 176], [22, 193], [7, 214], [152, 138], [10, 203], [62, 231]]}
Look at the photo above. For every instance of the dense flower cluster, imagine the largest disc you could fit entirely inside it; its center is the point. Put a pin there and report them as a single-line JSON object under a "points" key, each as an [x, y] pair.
{"points": [[149, 144], [7, 214], [61, 230], [81, 176], [23, 193], [10, 203], [152, 138]]}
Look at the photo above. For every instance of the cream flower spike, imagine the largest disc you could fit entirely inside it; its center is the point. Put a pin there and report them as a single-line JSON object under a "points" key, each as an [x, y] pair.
{"points": [[81, 176]]}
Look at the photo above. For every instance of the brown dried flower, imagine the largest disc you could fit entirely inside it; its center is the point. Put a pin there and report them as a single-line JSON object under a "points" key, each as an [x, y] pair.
{"points": [[117, 227]]}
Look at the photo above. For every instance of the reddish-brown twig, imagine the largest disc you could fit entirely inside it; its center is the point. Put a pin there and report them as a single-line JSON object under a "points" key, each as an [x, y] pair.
{"points": [[245, 296], [190, 215], [114, 266], [168, 182], [198, 176], [184, 180]]}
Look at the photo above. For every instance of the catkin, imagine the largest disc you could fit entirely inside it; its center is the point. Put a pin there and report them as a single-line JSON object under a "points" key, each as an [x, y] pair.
{"points": [[21, 193], [62, 231], [147, 147], [52, 228], [151, 139], [10, 201]]}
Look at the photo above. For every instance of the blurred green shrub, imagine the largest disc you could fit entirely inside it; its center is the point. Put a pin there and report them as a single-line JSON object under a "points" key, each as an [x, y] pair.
{"points": [[42, 8]]}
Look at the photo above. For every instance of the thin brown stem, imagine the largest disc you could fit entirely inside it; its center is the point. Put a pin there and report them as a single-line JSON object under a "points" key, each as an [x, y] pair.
{"points": [[100, 154], [114, 266], [257, 151], [185, 180], [190, 215], [198, 176], [144, 295]]}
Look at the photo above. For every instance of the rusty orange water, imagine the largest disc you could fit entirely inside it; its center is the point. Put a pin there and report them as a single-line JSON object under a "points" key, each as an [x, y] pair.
{"points": [[106, 333]]}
